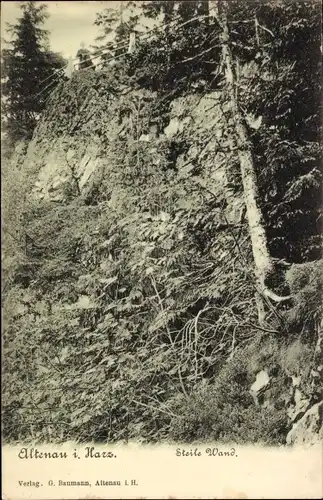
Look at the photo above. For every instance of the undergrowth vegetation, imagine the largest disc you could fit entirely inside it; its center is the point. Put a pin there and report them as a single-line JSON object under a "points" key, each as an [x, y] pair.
{"points": [[130, 308]]}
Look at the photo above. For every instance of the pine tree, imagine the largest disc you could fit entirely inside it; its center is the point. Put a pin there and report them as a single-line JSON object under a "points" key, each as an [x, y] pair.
{"points": [[28, 65]]}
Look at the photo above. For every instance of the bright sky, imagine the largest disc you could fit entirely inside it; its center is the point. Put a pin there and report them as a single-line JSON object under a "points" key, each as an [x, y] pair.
{"points": [[70, 22]]}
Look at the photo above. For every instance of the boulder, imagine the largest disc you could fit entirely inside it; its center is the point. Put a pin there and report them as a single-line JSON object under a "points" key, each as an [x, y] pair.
{"points": [[262, 382]]}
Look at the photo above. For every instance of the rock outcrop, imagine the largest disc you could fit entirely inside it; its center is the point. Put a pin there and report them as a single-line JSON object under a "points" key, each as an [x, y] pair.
{"points": [[78, 152], [309, 429]]}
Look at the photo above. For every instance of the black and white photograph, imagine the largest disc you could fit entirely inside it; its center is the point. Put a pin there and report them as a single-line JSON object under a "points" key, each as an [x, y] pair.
{"points": [[161, 173]]}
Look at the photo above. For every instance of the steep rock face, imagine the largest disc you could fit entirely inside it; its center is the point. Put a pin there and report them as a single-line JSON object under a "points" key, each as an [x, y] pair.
{"points": [[202, 125], [70, 142], [73, 151], [60, 167], [88, 134]]}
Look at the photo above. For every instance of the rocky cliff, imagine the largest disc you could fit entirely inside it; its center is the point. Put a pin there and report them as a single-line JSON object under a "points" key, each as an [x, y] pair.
{"points": [[75, 140], [100, 155]]}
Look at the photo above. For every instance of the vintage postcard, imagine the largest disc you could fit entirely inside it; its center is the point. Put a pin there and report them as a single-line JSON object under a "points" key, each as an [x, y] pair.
{"points": [[161, 249]]}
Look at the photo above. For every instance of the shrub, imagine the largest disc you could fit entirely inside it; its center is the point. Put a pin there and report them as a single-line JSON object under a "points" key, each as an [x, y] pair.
{"points": [[225, 412]]}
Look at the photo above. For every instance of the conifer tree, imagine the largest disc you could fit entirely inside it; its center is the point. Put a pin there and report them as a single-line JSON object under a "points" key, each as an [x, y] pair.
{"points": [[28, 70]]}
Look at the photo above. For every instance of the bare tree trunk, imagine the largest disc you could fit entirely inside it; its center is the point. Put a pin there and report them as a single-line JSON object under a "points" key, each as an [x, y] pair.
{"points": [[264, 265]]}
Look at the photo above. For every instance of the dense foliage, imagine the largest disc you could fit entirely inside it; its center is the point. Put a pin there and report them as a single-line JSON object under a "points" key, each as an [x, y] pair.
{"points": [[130, 311], [115, 27], [279, 83]]}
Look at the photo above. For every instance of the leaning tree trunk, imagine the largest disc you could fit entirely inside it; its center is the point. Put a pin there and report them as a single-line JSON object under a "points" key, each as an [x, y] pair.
{"points": [[263, 263]]}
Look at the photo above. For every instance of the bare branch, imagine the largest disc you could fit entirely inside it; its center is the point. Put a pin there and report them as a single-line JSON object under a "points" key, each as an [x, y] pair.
{"points": [[198, 55]]}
